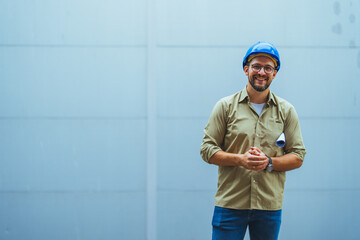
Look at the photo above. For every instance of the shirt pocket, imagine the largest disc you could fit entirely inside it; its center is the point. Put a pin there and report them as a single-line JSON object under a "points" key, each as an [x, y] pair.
{"points": [[240, 132], [274, 128]]}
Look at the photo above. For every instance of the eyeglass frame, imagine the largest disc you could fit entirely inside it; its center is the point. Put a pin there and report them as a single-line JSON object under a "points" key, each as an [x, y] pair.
{"points": [[262, 67]]}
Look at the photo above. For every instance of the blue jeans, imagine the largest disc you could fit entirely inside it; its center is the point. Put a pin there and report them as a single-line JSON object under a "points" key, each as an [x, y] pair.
{"points": [[229, 224]]}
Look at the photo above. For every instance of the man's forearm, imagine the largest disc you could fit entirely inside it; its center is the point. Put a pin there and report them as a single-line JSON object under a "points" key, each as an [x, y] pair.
{"points": [[222, 158], [286, 162]]}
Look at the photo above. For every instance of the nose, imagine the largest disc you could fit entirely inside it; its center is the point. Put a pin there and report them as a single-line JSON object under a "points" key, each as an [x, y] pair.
{"points": [[262, 71]]}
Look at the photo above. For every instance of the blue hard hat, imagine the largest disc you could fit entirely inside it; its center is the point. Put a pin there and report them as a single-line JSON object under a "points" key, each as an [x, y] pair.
{"points": [[263, 47]]}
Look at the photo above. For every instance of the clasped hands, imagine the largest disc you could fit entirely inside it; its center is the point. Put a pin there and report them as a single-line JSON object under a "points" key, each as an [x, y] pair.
{"points": [[255, 159]]}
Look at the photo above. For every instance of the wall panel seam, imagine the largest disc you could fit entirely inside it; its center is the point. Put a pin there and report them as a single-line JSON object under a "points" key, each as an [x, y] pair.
{"points": [[151, 161]]}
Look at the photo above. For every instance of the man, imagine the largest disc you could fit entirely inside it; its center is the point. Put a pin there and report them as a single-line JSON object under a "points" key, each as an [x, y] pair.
{"points": [[240, 138]]}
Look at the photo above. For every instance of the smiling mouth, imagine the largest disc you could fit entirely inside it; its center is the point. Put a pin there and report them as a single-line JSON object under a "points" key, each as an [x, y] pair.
{"points": [[260, 80]]}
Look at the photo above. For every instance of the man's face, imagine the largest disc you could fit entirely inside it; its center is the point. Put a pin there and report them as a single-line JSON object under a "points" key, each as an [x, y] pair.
{"points": [[261, 80]]}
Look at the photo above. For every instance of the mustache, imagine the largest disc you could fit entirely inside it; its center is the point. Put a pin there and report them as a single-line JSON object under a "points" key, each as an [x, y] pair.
{"points": [[258, 76]]}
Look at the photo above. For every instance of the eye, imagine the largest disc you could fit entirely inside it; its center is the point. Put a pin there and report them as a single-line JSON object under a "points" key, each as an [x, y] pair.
{"points": [[257, 67], [268, 69]]}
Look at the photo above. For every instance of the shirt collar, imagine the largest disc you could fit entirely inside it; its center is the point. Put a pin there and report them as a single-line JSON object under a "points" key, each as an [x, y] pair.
{"points": [[244, 95], [272, 98]]}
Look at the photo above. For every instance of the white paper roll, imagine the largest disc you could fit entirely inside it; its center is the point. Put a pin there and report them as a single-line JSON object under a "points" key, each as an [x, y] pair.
{"points": [[280, 142]]}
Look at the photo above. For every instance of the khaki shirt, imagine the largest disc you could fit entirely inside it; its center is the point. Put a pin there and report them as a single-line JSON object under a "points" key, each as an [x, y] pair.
{"points": [[234, 127]]}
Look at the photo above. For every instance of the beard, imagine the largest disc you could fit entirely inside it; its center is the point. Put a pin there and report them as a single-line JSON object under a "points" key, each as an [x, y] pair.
{"points": [[258, 88]]}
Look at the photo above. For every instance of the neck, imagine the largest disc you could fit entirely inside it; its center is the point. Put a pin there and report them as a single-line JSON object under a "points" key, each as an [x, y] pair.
{"points": [[255, 96]]}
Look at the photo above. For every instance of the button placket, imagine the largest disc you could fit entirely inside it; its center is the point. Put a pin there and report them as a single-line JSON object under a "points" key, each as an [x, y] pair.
{"points": [[254, 191], [258, 134]]}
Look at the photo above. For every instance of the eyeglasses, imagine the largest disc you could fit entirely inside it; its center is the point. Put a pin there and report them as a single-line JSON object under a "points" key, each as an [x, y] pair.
{"points": [[257, 68]]}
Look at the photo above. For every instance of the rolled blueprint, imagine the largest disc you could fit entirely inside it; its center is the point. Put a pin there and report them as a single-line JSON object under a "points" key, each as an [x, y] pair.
{"points": [[280, 142]]}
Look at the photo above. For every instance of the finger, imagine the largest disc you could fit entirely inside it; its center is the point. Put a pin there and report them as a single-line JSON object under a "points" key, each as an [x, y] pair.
{"points": [[256, 149], [261, 153], [256, 163], [253, 152], [263, 166], [257, 158], [258, 168]]}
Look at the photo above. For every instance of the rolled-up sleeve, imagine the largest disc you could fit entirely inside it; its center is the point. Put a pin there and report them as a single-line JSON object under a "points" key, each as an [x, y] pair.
{"points": [[294, 141], [214, 131]]}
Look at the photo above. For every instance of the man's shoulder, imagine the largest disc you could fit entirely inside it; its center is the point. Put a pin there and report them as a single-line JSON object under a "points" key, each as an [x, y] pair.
{"points": [[226, 104]]}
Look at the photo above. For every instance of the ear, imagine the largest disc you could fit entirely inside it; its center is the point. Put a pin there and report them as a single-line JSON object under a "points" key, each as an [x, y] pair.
{"points": [[274, 74], [246, 70]]}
